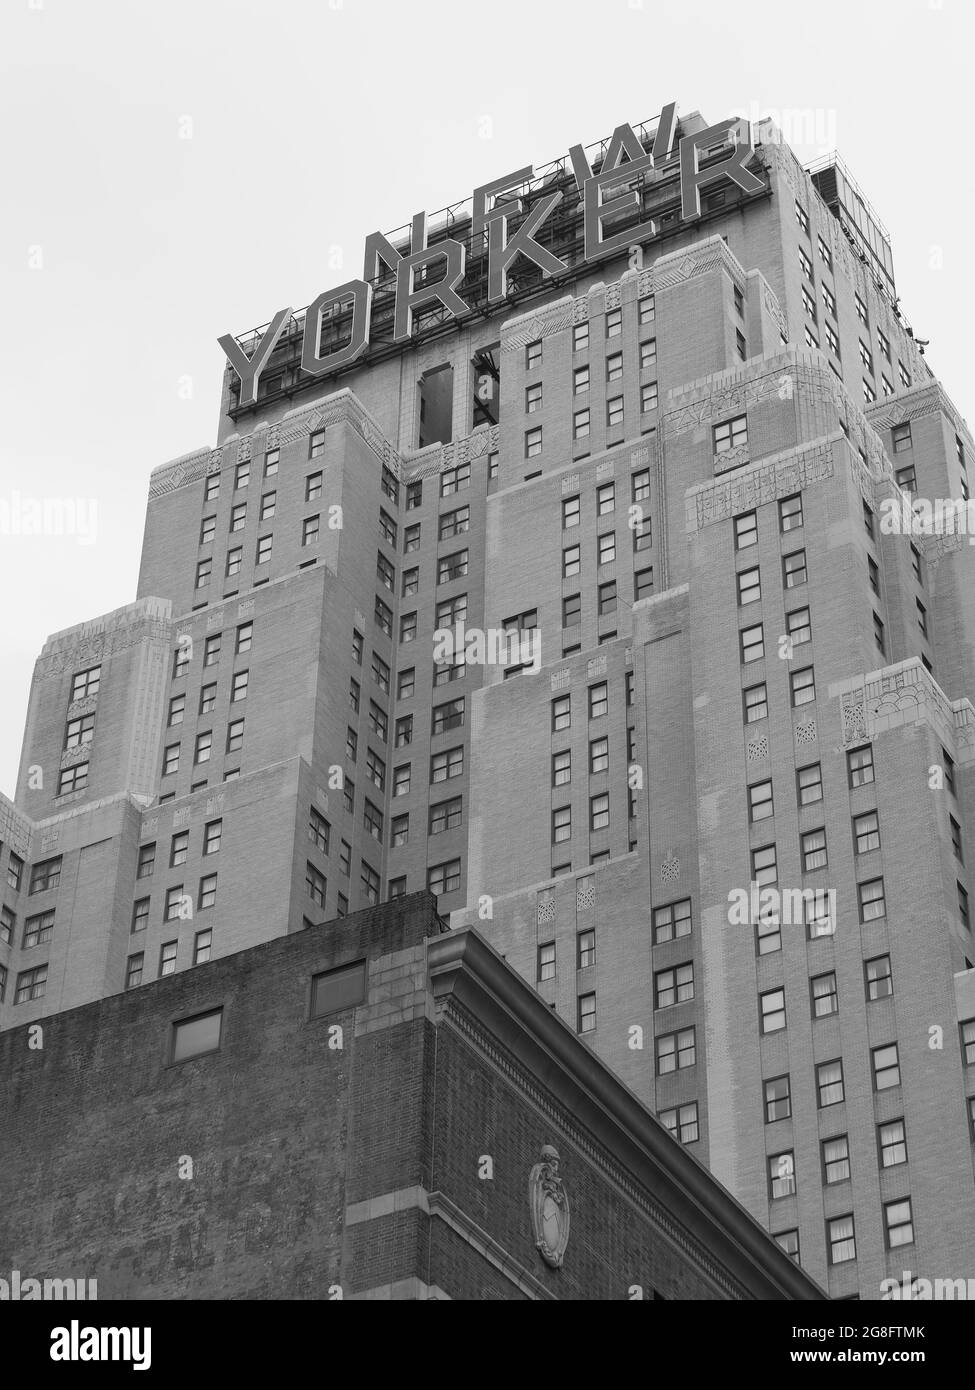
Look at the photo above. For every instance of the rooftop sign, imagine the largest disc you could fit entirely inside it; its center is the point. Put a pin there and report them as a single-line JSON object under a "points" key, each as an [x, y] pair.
{"points": [[614, 193]]}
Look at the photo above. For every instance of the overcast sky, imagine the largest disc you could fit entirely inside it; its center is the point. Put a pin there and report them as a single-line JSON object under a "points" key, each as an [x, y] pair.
{"points": [[177, 170]]}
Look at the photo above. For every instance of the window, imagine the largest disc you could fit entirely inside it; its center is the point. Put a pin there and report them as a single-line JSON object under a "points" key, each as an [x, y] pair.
{"points": [[208, 892], [238, 690], [212, 488], [868, 520], [414, 495], [561, 768], [648, 354], [401, 779], [316, 884], [411, 582], [546, 962], [380, 673], [451, 524], [606, 549], [234, 560], [31, 985], [238, 517], [45, 876], [580, 337], [570, 512], [444, 878], [682, 1123], [585, 949], [571, 563], [841, 1238], [760, 802], [642, 535], [446, 815], [456, 479], [903, 374], [598, 755], [242, 475], [794, 569], [372, 820], [448, 716], [648, 398], [781, 1175], [755, 703], [614, 323], [829, 1083], [898, 1223], [873, 575], [802, 217], [803, 687], [599, 812], [746, 530], [533, 356], [866, 357], [798, 626], [833, 340], [133, 970], [614, 412], [752, 644], [179, 848], [378, 720], [201, 750], [383, 616], [675, 1051], [309, 530], [892, 1143], [646, 309], [212, 836], [749, 587], [768, 933], [194, 1037], [451, 567], [859, 766], [809, 304], [772, 1010], [789, 1242], [73, 779], [385, 572], [38, 930], [866, 832], [823, 995], [878, 633], [642, 584], [811, 340], [580, 381], [598, 700], [886, 1067], [533, 442], [778, 1099], [202, 943], [605, 499], [872, 901], [204, 569], [211, 650], [607, 598], [376, 769], [85, 684], [8, 925], [268, 505], [167, 958], [405, 683], [809, 784], [949, 770], [671, 921], [813, 846], [572, 611], [673, 986], [447, 764], [147, 860], [764, 865], [878, 979]]}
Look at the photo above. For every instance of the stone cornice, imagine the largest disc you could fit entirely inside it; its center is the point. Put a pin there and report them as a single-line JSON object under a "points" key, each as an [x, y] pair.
{"points": [[469, 976]]}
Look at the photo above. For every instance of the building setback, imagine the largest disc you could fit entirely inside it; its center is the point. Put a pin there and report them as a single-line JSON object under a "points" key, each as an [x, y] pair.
{"points": [[675, 469], [353, 1112]]}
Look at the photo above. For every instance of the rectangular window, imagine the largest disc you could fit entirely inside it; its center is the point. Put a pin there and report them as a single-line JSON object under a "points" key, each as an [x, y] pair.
{"points": [[798, 626], [892, 1143], [829, 1083], [45, 876], [383, 616], [809, 784], [614, 412], [533, 356], [642, 584], [682, 1123], [38, 930], [195, 1037], [836, 1159], [204, 569], [167, 958], [672, 921], [823, 995], [572, 611], [605, 499], [803, 687], [444, 878], [456, 479], [649, 398], [202, 942], [760, 805], [752, 644], [580, 337], [133, 970], [813, 846], [533, 442], [448, 764], [781, 1175], [599, 812], [401, 779], [448, 716], [586, 1013], [772, 1010], [675, 1051], [898, 1223], [546, 962], [859, 764], [598, 700], [746, 530], [31, 985], [211, 490], [674, 986], [794, 569], [778, 1099], [866, 832], [580, 381], [73, 779], [607, 598], [454, 523], [749, 587], [755, 703], [872, 901], [886, 1067], [842, 1240], [585, 949], [446, 815], [879, 983]]}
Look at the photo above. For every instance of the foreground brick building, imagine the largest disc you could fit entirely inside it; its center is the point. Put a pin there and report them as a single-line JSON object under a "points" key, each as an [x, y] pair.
{"points": [[351, 1112], [668, 470]]}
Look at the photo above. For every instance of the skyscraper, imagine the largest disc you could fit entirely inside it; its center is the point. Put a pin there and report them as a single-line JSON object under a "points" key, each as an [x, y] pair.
{"points": [[641, 432]]}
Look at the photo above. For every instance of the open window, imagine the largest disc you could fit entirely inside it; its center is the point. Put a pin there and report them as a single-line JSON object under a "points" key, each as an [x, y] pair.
{"points": [[436, 406], [486, 386]]}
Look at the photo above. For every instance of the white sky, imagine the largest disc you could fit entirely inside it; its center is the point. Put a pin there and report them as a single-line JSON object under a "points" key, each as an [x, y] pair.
{"points": [[315, 122]]}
